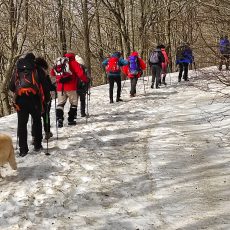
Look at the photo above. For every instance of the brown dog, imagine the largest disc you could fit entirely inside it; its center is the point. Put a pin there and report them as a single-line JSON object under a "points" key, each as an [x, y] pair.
{"points": [[7, 151]]}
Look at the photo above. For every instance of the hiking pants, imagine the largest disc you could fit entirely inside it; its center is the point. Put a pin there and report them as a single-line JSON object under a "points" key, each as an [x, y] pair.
{"points": [[224, 60], [183, 67], [156, 74], [62, 99], [133, 82], [111, 86], [29, 105], [46, 117]]}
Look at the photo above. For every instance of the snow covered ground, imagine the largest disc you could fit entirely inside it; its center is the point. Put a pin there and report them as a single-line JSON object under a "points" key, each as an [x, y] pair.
{"points": [[156, 161]]}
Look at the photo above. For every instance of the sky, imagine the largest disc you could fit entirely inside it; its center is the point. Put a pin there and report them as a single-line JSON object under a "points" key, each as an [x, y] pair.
{"points": [[159, 160]]}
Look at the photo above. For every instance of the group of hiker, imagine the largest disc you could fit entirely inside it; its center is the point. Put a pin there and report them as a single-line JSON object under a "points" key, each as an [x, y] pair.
{"points": [[32, 85]]}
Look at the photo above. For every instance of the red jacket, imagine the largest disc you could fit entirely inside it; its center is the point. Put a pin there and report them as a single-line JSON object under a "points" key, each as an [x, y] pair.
{"points": [[142, 64], [76, 70], [165, 56]]}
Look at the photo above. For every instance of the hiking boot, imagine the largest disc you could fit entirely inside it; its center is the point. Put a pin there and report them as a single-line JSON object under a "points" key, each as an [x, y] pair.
{"points": [[119, 99], [72, 122], [23, 153], [60, 123], [111, 101], [152, 86], [83, 114], [38, 148], [48, 135], [186, 79], [179, 79]]}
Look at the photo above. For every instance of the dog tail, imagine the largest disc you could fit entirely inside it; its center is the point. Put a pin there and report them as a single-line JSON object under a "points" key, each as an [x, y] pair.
{"points": [[12, 161]]}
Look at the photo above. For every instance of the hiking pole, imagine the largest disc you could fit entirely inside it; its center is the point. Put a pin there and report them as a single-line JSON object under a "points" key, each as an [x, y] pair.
{"points": [[55, 106], [169, 71], [123, 84], [144, 84], [16, 147], [47, 124]]}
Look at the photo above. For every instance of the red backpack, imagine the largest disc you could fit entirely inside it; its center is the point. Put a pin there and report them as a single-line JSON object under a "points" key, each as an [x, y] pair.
{"points": [[113, 65]]}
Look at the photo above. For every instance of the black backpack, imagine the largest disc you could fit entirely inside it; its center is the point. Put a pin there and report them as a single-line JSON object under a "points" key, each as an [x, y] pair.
{"points": [[26, 78]]}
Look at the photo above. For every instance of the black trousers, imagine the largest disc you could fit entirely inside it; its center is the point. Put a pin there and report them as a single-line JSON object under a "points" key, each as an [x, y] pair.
{"points": [[46, 117], [183, 67], [133, 82], [29, 105], [111, 86], [82, 100]]}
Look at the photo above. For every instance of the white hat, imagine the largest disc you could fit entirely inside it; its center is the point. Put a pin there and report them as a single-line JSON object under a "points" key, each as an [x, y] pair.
{"points": [[79, 60]]}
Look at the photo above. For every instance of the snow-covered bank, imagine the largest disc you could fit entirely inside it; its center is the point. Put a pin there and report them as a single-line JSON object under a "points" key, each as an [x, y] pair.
{"points": [[157, 161]]}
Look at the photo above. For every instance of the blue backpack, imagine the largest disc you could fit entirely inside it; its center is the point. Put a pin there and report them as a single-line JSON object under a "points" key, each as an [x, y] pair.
{"points": [[224, 43], [134, 67]]}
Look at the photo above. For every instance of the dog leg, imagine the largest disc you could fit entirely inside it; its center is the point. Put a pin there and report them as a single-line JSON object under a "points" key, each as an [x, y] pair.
{"points": [[12, 160]]}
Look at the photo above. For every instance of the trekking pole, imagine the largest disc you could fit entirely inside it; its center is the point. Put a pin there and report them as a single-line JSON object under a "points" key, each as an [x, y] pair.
{"points": [[47, 124], [55, 106], [123, 84], [144, 84], [169, 72], [16, 147]]}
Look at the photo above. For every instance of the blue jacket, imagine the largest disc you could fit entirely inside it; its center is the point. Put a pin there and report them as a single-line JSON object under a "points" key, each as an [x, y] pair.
{"points": [[121, 63], [187, 57], [224, 45]]}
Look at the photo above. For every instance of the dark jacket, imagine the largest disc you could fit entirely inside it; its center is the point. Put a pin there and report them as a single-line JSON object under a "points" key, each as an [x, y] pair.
{"points": [[44, 94]]}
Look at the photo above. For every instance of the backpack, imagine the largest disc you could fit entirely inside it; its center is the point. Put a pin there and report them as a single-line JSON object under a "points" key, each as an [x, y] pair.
{"points": [[26, 79], [134, 67], [113, 65], [224, 46], [180, 52], [62, 70], [154, 58]]}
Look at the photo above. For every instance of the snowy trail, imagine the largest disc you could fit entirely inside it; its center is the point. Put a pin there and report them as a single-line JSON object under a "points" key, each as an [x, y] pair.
{"points": [[157, 161]]}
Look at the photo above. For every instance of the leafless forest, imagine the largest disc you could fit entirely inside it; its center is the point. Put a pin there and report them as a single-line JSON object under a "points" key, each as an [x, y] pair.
{"points": [[95, 28]]}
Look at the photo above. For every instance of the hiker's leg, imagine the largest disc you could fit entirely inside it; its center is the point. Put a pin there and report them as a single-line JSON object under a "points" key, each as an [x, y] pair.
{"points": [[82, 100], [118, 81], [23, 117], [62, 98], [158, 75], [153, 76], [135, 85], [181, 68], [221, 62], [111, 86], [185, 77], [132, 91], [35, 112], [227, 62], [73, 100]]}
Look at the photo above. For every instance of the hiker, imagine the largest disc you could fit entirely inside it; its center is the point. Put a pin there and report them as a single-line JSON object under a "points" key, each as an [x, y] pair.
{"points": [[134, 70], [83, 87], [67, 71], [28, 85], [113, 66], [155, 61], [41, 62], [164, 65], [184, 57], [224, 47]]}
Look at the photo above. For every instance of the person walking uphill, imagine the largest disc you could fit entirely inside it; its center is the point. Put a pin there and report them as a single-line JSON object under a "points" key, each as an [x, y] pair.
{"points": [[155, 61], [83, 87], [67, 71], [41, 62], [28, 85], [184, 57], [134, 70], [113, 69], [164, 64], [224, 46]]}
